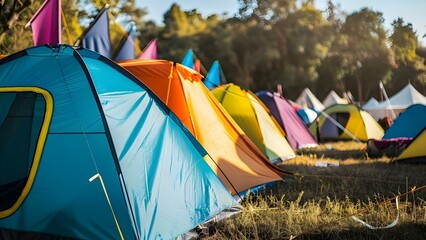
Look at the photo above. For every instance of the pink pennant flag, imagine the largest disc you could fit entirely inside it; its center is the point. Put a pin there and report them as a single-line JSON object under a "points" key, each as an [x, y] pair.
{"points": [[197, 65], [46, 23], [150, 51]]}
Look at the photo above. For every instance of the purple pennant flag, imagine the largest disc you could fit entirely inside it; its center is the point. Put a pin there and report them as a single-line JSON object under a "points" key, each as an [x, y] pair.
{"points": [[127, 45], [96, 37], [46, 23], [150, 52]]}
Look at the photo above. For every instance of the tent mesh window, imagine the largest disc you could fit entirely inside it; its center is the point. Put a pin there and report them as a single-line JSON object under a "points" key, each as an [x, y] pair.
{"points": [[21, 119]]}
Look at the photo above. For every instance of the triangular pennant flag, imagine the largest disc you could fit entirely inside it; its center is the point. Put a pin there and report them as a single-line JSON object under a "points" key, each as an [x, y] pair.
{"points": [[150, 51], [213, 77], [197, 65], [46, 23], [96, 37], [188, 60], [127, 45]]}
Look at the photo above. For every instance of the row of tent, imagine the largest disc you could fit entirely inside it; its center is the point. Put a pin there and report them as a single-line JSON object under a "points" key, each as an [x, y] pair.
{"points": [[80, 106], [307, 99], [391, 107], [70, 115], [211, 124], [164, 149], [342, 121], [332, 119], [403, 141], [144, 144], [166, 153]]}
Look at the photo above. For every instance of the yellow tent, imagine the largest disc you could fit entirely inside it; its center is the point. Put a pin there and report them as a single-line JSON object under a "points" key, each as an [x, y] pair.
{"points": [[236, 160], [416, 151], [345, 122], [254, 118]]}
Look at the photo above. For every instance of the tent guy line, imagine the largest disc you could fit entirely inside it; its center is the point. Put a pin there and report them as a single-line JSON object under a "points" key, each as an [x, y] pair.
{"points": [[98, 176], [363, 210]]}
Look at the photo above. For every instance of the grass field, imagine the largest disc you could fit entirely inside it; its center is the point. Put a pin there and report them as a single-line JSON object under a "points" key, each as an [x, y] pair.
{"points": [[331, 184]]}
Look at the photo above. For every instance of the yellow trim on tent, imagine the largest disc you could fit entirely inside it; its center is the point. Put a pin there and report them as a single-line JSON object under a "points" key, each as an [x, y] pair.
{"points": [[416, 149], [256, 121], [40, 143]]}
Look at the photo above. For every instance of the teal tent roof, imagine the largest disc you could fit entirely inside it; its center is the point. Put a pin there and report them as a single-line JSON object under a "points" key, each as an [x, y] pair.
{"points": [[106, 122], [409, 123]]}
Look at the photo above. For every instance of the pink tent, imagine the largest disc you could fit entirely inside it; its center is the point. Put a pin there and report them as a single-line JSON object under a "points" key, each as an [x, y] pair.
{"points": [[297, 134]]}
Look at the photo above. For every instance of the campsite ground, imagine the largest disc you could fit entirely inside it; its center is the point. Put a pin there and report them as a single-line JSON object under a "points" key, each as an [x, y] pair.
{"points": [[331, 184]]}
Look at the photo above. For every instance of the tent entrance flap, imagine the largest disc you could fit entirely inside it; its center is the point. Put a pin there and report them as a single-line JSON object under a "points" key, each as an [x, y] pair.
{"points": [[330, 129]]}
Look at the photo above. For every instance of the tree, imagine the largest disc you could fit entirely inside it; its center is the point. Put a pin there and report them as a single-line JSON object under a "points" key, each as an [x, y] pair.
{"points": [[183, 23], [71, 28], [305, 38], [11, 25], [411, 67], [367, 59], [185, 30], [265, 11]]}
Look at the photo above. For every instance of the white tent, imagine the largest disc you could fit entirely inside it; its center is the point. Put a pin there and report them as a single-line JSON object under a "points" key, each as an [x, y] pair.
{"points": [[397, 103], [370, 103], [308, 99], [332, 99]]}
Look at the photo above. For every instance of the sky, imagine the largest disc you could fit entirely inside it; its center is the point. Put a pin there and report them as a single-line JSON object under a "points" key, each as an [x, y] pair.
{"points": [[412, 11]]}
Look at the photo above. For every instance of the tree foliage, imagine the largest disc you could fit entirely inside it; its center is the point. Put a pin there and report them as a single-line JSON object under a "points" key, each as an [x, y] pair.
{"points": [[12, 34], [411, 66], [367, 59]]}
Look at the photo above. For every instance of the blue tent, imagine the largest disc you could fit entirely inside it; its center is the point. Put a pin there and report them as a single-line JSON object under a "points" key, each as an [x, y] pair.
{"points": [[89, 152], [409, 123]]}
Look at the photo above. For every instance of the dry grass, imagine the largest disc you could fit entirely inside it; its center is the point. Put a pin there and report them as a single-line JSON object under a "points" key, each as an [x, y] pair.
{"points": [[318, 202]]}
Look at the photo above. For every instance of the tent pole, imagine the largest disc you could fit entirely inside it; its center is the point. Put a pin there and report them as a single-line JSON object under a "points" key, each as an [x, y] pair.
{"points": [[382, 88]]}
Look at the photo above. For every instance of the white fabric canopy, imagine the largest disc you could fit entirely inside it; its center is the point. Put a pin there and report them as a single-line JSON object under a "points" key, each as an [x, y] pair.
{"points": [[308, 99], [397, 103], [332, 98], [370, 103]]}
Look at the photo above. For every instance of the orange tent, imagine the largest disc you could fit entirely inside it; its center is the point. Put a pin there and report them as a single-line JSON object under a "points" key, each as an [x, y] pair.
{"points": [[236, 159]]}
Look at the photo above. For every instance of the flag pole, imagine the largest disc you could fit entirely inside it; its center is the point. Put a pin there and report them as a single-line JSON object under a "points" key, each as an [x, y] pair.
{"points": [[382, 88], [67, 30]]}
